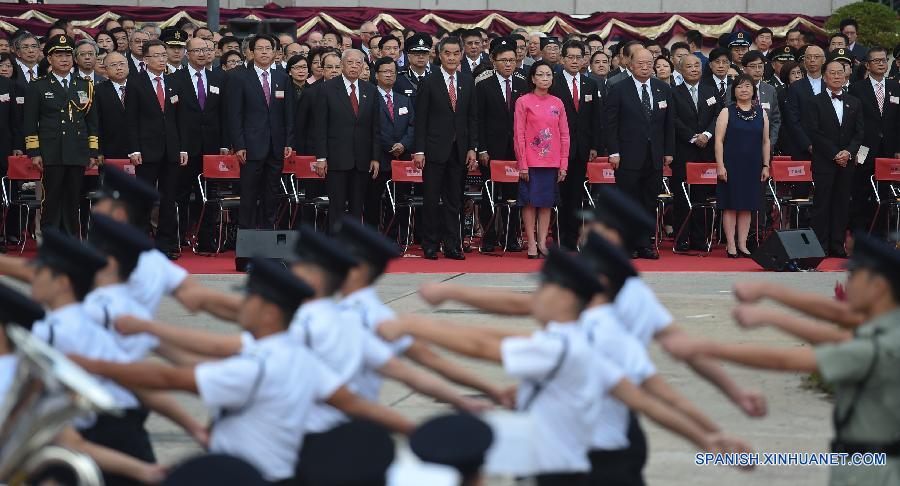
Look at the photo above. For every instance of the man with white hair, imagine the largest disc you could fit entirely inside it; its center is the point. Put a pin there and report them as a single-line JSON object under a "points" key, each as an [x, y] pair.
{"points": [[534, 47], [86, 52], [366, 31]]}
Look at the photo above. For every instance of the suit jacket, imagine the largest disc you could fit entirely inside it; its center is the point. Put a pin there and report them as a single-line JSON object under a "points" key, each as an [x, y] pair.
{"points": [[495, 116], [691, 120], [882, 130], [152, 132], [260, 129], [114, 134], [464, 64], [714, 82], [304, 119], [799, 95], [398, 129], [586, 124], [346, 139], [438, 125], [768, 99], [860, 51], [10, 112], [618, 77], [200, 130], [133, 67], [827, 135], [630, 130]]}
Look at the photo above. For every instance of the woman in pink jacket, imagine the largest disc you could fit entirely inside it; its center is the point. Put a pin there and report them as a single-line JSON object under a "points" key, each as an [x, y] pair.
{"points": [[542, 149]]}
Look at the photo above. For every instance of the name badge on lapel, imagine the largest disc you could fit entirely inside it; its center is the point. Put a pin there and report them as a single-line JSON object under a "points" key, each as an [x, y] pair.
{"points": [[47, 95], [588, 98], [20, 100], [214, 89], [663, 105], [765, 106], [174, 99], [407, 92], [895, 99], [279, 95], [82, 97], [4, 98], [402, 110], [710, 101]]}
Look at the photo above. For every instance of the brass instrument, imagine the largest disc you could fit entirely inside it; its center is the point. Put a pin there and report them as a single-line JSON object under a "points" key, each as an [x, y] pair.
{"points": [[48, 391]]}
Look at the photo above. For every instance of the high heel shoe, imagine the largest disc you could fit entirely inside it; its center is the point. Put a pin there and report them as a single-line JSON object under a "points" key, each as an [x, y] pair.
{"points": [[732, 255], [744, 254], [534, 257], [543, 253]]}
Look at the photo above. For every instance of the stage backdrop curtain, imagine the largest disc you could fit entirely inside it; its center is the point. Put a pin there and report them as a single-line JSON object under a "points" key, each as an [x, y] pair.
{"points": [[609, 25]]}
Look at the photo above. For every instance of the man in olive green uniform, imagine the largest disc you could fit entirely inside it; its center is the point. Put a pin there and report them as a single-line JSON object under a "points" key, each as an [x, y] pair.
{"points": [[60, 134], [777, 58], [864, 369]]}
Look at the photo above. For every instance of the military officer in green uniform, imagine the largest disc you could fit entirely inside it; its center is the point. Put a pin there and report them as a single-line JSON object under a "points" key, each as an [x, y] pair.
{"points": [[777, 58], [60, 134], [863, 368]]}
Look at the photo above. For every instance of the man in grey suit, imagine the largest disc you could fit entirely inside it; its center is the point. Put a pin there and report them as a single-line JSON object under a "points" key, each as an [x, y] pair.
{"points": [[754, 64]]}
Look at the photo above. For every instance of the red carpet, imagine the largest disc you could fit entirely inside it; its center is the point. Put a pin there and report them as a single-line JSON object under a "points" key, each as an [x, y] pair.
{"points": [[517, 263]]}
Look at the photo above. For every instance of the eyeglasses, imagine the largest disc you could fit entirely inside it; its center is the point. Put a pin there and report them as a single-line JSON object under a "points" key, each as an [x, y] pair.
{"points": [[26, 47], [331, 66], [138, 41], [814, 56], [117, 64], [387, 73], [263, 49], [233, 62], [505, 61], [200, 50], [86, 54], [880, 60], [156, 56], [543, 75], [372, 32], [298, 67], [755, 65], [574, 57]]}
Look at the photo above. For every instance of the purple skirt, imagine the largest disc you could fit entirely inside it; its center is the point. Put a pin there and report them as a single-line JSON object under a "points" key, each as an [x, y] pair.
{"points": [[541, 189]]}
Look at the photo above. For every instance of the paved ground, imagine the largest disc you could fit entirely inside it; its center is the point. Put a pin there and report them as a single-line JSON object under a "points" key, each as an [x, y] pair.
{"points": [[799, 418]]}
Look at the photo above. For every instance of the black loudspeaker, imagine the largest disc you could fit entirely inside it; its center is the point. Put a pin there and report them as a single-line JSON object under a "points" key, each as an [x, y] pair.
{"points": [[790, 250], [244, 27], [272, 244], [279, 26]]}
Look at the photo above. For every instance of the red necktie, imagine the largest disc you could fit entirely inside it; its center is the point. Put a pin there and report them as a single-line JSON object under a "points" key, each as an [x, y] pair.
{"points": [[353, 101], [390, 104], [575, 92], [159, 94], [508, 95], [451, 90]]}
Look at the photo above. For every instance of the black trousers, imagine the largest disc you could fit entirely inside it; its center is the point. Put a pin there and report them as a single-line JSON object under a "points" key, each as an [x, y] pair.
{"points": [[346, 193], [502, 192], [61, 195], [307, 454], [163, 175], [443, 182], [694, 231], [643, 184], [373, 210], [260, 182], [571, 198], [125, 434], [562, 479], [830, 215]]}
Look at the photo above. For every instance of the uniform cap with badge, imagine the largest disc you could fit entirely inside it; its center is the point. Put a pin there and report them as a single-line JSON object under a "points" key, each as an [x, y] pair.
{"points": [[173, 37], [618, 211], [419, 42], [500, 45], [137, 194], [314, 247], [607, 259], [273, 282], [355, 453], [739, 39], [17, 308], [58, 43], [460, 440], [121, 241], [548, 41], [366, 244], [842, 55], [783, 54]]}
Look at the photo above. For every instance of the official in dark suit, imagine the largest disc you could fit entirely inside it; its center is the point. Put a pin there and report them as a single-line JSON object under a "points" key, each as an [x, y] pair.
{"points": [[850, 28], [11, 138], [880, 99], [347, 138], [60, 135], [800, 95], [418, 49], [834, 122], [200, 120], [396, 120], [641, 136], [445, 142], [153, 139], [497, 92], [696, 109], [135, 53], [474, 53], [717, 74], [109, 99], [584, 113], [260, 117]]}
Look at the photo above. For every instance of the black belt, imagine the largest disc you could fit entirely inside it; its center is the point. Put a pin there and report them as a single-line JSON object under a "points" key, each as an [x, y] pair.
{"points": [[891, 449]]}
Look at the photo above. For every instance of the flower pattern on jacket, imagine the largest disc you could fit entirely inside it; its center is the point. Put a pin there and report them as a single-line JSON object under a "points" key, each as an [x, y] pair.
{"points": [[542, 142]]}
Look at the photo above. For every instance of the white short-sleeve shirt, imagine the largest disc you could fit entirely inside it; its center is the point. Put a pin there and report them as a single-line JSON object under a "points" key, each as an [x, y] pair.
{"points": [[154, 277], [262, 400], [609, 339], [337, 337], [69, 330], [374, 312], [8, 363], [565, 411], [639, 311], [106, 304]]}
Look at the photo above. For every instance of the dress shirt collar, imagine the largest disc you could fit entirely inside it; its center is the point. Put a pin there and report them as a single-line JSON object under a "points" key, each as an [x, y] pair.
{"points": [[719, 80], [59, 78], [25, 69], [193, 73], [118, 87], [384, 93], [82, 74], [570, 77], [347, 84], [447, 76], [260, 70], [153, 77], [876, 83]]}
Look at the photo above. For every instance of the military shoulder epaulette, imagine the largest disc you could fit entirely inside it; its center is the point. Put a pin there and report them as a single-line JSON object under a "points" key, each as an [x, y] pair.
{"points": [[520, 76], [484, 75]]}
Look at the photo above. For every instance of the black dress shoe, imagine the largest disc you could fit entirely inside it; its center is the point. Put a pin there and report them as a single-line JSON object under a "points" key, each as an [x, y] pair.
{"points": [[488, 247], [514, 247], [683, 247], [431, 255], [454, 255], [648, 254]]}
